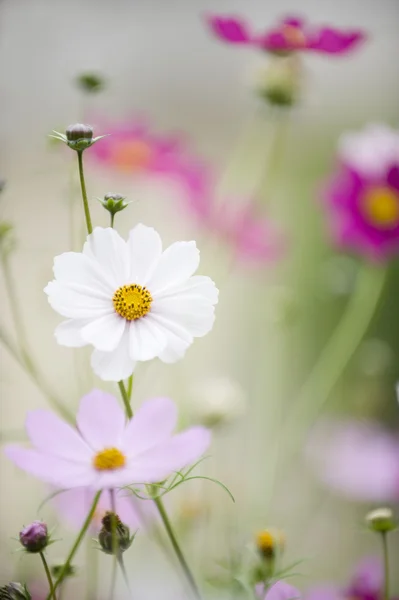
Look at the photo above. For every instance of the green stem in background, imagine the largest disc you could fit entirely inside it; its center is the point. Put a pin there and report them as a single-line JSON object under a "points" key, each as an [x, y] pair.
{"points": [[48, 575], [280, 120], [84, 193], [130, 387], [77, 543], [92, 571], [20, 352], [180, 556], [337, 353], [126, 399], [385, 555]]}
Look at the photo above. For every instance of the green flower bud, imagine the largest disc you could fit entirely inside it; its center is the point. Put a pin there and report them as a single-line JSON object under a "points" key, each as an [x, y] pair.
{"points": [[113, 203], [122, 533], [90, 82], [14, 591], [279, 83], [78, 137], [381, 520]]}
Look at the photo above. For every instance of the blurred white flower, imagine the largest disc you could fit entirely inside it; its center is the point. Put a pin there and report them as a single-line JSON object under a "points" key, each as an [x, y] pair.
{"points": [[130, 300], [217, 401], [372, 150]]}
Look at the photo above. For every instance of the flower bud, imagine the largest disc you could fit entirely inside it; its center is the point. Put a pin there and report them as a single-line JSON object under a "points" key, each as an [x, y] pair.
{"points": [[34, 537], [79, 132], [381, 520], [14, 591], [122, 534], [217, 401], [114, 203], [90, 82], [269, 543], [279, 82]]}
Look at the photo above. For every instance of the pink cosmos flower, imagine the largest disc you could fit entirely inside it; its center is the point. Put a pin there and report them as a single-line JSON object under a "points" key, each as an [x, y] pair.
{"points": [[290, 35], [133, 149], [73, 506], [105, 451], [366, 583], [362, 197], [281, 590], [356, 459], [253, 238]]}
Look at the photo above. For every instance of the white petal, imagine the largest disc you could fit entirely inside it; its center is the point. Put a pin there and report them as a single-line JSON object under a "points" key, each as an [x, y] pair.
{"points": [[115, 365], [76, 305], [109, 250], [175, 266], [145, 249], [82, 273], [68, 333], [147, 339], [178, 339], [199, 285], [105, 333], [194, 314]]}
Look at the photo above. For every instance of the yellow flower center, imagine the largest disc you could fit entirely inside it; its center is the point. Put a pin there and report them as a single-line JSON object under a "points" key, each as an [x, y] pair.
{"points": [[132, 301], [294, 36], [109, 460], [131, 155], [267, 541], [381, 207]]}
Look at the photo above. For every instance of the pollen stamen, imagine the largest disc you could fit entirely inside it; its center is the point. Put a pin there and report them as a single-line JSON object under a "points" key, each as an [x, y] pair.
{"points": [[109, 459], [132, 301], [381, 207]]}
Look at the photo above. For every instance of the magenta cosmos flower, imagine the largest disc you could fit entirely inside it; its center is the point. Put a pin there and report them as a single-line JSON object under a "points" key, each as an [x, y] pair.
{"points": [[290, 35], [73, 507], [281, 590], [362, 197], [105, 451], [358, 460], [366, 583], [137, 151]]}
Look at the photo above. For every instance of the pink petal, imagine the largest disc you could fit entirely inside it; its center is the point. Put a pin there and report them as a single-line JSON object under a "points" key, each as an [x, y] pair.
{"points": [[152, 424], [174, 454], [368, 578], [229, 29], [281, 590], [53, 436], [54, 470], [326, 592], [101, 420]]}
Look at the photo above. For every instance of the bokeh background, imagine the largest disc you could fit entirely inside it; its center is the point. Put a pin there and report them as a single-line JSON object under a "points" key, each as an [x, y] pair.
{"points": [[160, 63]]}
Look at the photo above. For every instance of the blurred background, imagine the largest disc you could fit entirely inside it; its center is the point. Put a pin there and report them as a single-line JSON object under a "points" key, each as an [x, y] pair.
{"points": [[161, 66]]}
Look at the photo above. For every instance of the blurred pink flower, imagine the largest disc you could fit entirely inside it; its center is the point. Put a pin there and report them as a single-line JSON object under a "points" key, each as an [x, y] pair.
{"points": [[356, 459], [290, 35], [74, 505], [252, 238], [281, 590], [366, 583], [362, 197], [105, 451], [136, 150]]}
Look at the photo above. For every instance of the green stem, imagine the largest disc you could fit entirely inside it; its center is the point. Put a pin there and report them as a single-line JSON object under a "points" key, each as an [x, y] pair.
{"points": [[84, 193], [125, 577], [115, 549], [385, 554], [180, 556], [112, 220], [126, 400], [78, 541], [92, 571], [48, 575], [338, 351], [130, 387]]}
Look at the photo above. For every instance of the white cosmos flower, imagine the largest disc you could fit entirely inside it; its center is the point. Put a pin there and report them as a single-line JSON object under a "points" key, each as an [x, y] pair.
{"points": [[130, 300]]}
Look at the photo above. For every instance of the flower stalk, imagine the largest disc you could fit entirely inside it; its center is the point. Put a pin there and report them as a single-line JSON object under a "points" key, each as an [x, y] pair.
{"points": [[126, 399], [385, 554], [48, 575], [86, 207]]}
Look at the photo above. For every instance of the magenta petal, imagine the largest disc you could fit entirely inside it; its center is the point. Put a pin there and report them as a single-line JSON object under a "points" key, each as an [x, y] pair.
{"points": [[101, 420], [229, 29], [368, 578], [54, 470], [53, 436], [176, 453], [333, 41], [325, 592], [282, 590], [152, 424]]}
